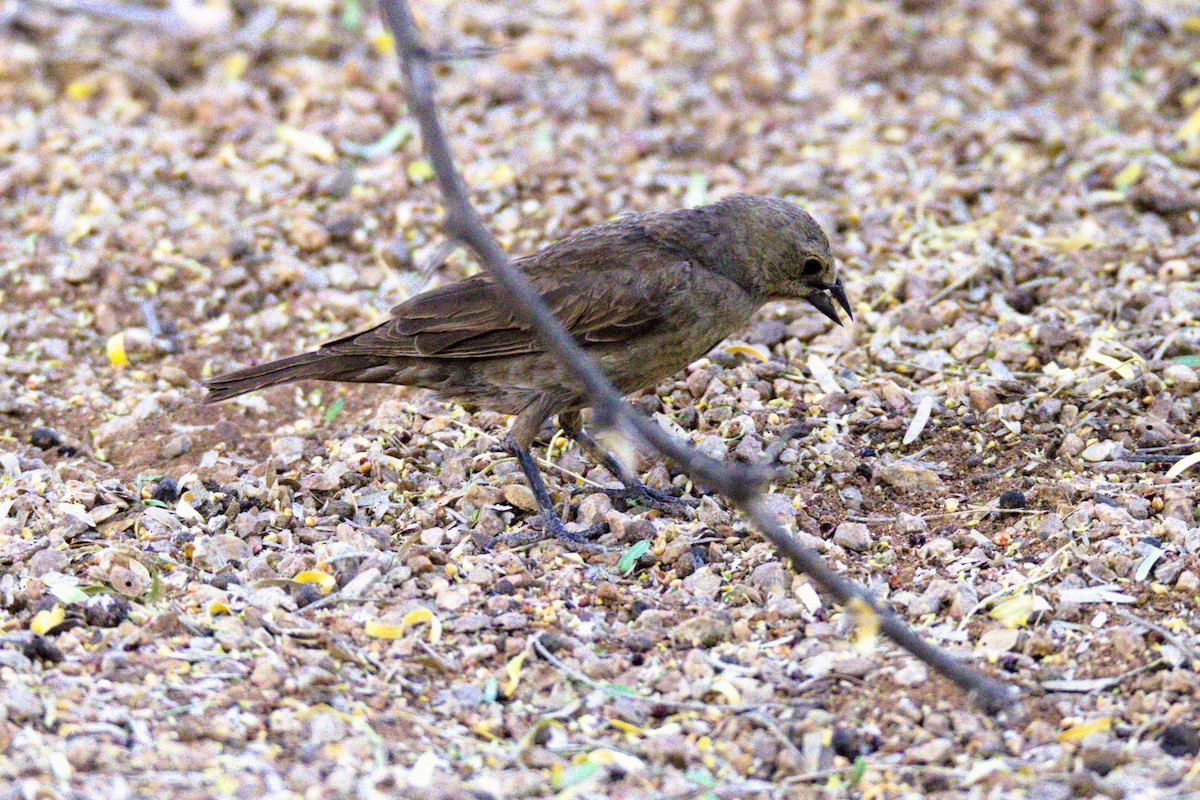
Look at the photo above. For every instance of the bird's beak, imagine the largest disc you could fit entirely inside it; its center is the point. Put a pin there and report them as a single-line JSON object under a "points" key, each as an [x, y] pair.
{"points": [[822, 300]]}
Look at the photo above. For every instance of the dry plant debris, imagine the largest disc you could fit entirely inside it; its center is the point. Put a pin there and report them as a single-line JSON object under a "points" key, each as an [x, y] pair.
{"points": [[292, 597]]}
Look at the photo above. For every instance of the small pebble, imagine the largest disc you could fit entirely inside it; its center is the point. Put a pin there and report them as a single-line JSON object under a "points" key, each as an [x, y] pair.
{"points": [[1187, 582], [853, 536], [1176, 269], [914, 673], [45, 438], [1101, 451], [166, 491], [1180, 740], [518, 495], [176, 446], [908, 477], [1013, 498], [21, 703]]}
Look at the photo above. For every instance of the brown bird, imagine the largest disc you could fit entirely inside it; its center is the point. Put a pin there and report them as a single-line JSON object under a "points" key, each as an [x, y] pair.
{"points": [[644, 295]]}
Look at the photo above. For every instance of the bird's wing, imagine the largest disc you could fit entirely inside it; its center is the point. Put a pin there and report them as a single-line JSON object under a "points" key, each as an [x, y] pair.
{"points": [[468, 320]]}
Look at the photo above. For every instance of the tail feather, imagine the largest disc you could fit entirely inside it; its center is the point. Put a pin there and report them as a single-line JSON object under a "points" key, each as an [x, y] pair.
{"points": [[317, 364]]}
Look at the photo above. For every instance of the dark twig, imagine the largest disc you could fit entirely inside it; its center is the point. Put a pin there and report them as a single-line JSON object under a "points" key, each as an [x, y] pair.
{"points": [[741, 484]]}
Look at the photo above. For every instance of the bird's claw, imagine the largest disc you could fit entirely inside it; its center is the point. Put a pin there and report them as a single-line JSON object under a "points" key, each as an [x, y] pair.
{"points": [[549, 526], [640, 493]]}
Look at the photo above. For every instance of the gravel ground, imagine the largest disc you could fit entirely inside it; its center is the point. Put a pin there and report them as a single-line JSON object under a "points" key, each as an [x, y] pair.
{"points": [[294, 594]]}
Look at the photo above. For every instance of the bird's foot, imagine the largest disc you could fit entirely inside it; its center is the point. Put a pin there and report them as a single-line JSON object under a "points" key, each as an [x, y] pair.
{"points": [[549, 526], [640, 493]]}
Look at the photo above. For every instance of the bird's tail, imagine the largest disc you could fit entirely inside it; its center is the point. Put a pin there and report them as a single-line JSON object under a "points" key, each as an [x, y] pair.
{"points": [[317, 364]]}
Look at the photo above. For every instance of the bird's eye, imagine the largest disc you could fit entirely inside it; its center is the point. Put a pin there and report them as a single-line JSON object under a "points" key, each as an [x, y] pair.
{"points": [[813, 267]]}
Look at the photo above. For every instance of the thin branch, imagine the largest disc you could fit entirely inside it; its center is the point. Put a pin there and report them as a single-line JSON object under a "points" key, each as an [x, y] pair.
{"points": [[742, 485]]}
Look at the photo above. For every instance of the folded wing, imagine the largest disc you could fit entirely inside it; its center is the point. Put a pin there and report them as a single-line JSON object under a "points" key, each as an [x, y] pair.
{"points": [[468, 320]]}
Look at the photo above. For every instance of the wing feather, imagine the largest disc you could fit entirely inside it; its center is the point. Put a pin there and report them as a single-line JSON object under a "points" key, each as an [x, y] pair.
{"points": [[467, 320]]}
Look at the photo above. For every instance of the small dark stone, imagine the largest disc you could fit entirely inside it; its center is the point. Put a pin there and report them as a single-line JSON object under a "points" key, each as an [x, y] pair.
{"points": [[241, 246], [166, 491], [769, 332], [105, 610], [864, 471], [223, 580], [1180, 741], [306, 593], [1022, 302], [868, 452], [342, 228], [850, 744], [1105, 500], [723, 359], [396, 254], [637, 607], [555, 643], [45, 438], [39, 648], [1013, 498], [338, 508], [503, 586]]}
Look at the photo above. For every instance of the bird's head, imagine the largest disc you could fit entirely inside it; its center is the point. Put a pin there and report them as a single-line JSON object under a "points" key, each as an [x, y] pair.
{"points": [[778, 252]]}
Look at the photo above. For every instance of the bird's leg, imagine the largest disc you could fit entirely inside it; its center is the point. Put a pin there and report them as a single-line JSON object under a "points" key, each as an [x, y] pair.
{"points": [[634, 490], [552, 524]]}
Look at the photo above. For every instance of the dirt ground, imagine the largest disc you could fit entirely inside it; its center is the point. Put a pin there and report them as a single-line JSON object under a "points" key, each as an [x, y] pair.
{"points": [[297, 593]]}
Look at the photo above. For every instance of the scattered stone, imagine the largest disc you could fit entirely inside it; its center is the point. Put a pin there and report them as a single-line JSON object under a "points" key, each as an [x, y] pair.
{"points": [[518, 495], [512, 621], [214, 553], [175, 447], [1182, 379], [1174, 269], [288, 449], [45, 438], [939, 550], [908, 477], [935, 751], [972, 344], [1101, 451], [1180, 740], [105, 610], [165, 491], [1013, 498], [984, 398], [593, 508], [710, 513], [1072, 445], [702, 584], [769, 578], [914, 673], [1187, 582], [853, 536], [701, 630], [22, 704], [115, 429], [433, 537], [307, 234]]}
